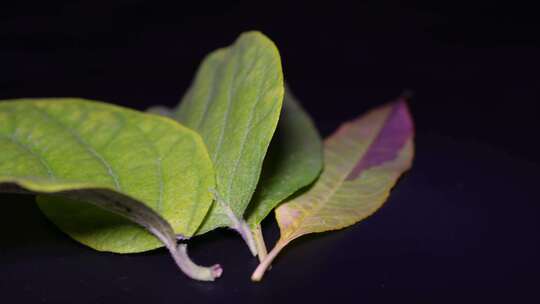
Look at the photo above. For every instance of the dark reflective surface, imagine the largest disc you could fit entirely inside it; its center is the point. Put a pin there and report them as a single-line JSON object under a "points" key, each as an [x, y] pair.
{"points": [[461, 226]]}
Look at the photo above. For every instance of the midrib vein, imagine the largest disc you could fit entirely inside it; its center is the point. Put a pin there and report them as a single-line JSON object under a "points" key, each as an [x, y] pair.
{"points": [[227, 113], [151, 144], [31, 152], [332, 190], [81, 142], [249, 126]]}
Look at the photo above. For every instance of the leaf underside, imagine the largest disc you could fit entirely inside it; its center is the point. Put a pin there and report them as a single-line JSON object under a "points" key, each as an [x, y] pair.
{"points": [[234, 103], [362, 162], [52, 145], [110, 157]]}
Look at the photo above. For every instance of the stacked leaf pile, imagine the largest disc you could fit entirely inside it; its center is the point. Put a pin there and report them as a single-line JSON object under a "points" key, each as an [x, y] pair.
{"points": [[237, 146]]}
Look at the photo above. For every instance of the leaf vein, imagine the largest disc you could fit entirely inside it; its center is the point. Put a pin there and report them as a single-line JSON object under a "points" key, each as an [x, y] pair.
{"points": [[244, 139], [83, 143], [25, 147], [159, 166], [227, 112]]}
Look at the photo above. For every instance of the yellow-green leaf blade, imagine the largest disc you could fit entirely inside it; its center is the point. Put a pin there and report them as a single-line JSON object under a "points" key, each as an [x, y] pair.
{"points": [[234, 103], [144, 167], [363, 161]]}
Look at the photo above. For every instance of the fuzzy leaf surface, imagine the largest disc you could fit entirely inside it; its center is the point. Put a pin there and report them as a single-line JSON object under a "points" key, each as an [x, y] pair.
{"points": [[234, 103]]}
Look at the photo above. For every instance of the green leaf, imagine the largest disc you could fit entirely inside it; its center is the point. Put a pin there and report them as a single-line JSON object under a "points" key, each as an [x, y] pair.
{"points": [[293, 161], [363, 161], [234, 103], [146, 168]]}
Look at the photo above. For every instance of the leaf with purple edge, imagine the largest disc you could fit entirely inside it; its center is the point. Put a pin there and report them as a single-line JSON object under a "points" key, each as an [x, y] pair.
{"points": [[363, 161]]}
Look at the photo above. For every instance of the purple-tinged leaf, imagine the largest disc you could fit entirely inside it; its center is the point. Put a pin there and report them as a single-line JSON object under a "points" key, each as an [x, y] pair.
{"points": [[363, 161]]}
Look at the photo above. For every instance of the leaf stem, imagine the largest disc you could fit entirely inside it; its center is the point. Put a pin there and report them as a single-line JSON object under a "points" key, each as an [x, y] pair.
{"points": [[181, 257], [237, 224], [262, 252], [243, 229], [265, 264], [191, 269]]}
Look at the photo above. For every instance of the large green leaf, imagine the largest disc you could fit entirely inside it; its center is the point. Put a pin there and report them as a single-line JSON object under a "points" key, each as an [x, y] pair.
{"points": [[146, 168], [363, 161], [293, 161], [234, 103]]}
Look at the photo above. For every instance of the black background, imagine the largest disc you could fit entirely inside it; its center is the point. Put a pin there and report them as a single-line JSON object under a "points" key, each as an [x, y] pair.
{"points": [[462, 225]]}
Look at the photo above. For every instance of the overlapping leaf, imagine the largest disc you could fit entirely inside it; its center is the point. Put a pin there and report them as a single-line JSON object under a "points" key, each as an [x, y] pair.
{"points": [[294, 160], [363, 160], [148, 169], [234, 103], [98, 169]]}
